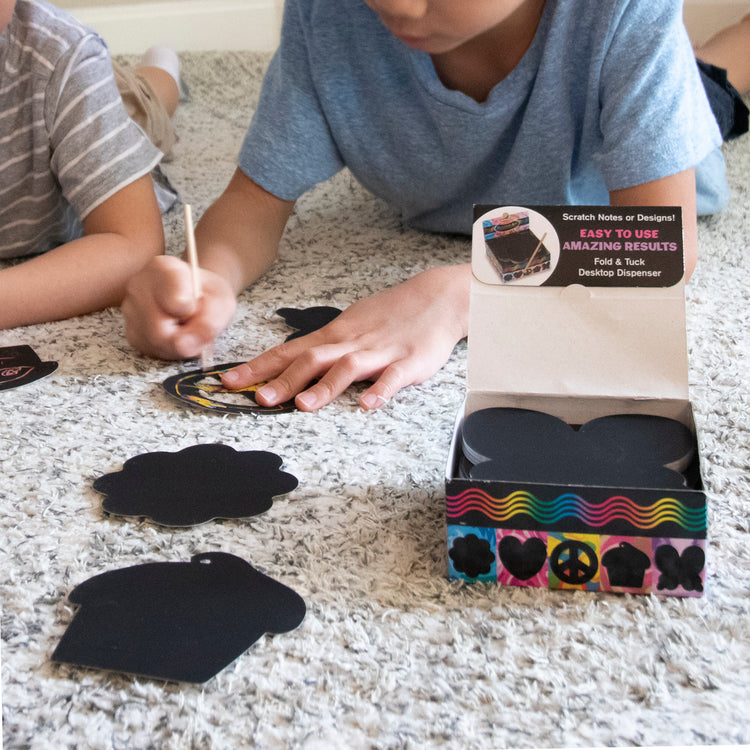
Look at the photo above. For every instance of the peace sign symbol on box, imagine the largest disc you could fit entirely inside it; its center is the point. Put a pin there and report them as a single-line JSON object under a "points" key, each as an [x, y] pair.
{"points": [[574, 562]]}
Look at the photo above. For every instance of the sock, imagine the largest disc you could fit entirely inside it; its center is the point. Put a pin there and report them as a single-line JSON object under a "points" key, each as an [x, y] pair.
{"points": [[161, 56]]}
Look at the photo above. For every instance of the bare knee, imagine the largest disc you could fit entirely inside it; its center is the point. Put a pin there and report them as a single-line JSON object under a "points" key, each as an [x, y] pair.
{"points": [[164, 85]]}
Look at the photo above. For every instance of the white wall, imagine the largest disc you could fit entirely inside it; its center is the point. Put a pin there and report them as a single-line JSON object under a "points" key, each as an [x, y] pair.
{"points": [[130, 26]]}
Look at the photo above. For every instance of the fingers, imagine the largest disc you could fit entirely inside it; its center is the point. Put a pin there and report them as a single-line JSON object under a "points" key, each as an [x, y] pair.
{"points": [[262, 367], [169, 287], [163, 319], [320, 374], [392, 369], [392, 380], [359, 366], [213, 312], [289, 368], [153, 306], [350, 368], [370, 339]]}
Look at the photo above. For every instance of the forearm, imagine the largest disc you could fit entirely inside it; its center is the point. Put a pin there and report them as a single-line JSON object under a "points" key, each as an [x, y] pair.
{"points": [[87, 274], [676, 190], [449, 287], [238, 236]]}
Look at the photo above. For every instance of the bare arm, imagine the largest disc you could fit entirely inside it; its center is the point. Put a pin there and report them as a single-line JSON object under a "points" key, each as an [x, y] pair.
{"points": [[676, 190], [403, 335], [89, 273], [238, 236], [238, 239]]}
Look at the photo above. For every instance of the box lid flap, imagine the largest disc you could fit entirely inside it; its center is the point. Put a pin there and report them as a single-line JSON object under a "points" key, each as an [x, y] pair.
{"points": [[605, 317]]}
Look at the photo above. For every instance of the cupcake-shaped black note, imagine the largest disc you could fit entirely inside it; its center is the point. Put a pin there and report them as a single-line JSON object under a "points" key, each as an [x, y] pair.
{"points": [[175, 621]]}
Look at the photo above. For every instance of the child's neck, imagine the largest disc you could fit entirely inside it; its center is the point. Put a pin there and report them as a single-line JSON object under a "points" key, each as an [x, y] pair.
{"points": [[477, 66]]}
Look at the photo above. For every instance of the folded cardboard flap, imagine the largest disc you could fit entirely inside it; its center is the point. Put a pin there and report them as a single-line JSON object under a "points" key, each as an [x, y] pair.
{"points": [[542, 336]]}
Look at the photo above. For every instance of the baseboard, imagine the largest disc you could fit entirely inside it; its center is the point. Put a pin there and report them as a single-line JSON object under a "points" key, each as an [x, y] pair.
{"points": [[254, 24], [186, 25]]}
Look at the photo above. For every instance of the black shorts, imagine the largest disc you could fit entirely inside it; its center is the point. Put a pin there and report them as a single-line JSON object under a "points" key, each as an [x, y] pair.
{"points": [[728, 107]]}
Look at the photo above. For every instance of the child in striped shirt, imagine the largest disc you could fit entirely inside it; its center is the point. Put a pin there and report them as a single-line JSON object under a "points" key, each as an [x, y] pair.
{"points": [[76, 192]]}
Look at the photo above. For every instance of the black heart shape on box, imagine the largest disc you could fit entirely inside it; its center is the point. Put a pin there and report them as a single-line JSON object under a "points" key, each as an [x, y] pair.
{"points": [[523, 560]]}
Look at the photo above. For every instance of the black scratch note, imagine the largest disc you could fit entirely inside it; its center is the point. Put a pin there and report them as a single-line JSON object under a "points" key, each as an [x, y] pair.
{"points": [[20, 365], [204, 389], [175, 621], [307, 320], [628, 450], [195, 485]]}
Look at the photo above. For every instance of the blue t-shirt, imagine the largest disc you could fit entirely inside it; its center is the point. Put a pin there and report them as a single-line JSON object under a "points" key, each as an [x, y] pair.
{"points": [[607, 96]]}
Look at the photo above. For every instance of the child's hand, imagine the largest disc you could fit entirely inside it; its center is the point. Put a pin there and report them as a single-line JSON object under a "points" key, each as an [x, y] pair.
{"points": [[162, 318], [398, 337]]}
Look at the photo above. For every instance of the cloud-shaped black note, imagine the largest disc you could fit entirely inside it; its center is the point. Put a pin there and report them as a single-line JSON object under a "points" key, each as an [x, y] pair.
{"points": [[195, 485], [307, 320], [627, 450], [176, 621], [20, 365]]}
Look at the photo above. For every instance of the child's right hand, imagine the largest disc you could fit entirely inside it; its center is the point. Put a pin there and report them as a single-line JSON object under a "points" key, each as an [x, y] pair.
{"points": [[163, 319]]}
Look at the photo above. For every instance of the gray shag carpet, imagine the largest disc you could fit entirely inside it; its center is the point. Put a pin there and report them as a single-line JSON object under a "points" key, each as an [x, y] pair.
{"points": [[391, 654]]}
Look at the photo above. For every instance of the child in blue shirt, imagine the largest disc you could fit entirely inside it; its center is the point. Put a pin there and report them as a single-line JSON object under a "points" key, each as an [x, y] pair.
{"points": [[436, 105]]}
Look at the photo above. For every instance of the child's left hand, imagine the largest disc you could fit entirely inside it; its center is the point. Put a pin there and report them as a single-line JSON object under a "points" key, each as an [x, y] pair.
{"points": [[400, 336]]}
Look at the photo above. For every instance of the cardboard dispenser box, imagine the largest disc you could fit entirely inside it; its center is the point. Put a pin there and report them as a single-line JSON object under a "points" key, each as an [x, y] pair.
{"points": [[574, 462]]}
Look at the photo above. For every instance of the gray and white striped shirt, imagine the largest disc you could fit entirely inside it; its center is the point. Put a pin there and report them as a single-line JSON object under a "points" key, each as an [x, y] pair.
{"points": [[66, 142]]}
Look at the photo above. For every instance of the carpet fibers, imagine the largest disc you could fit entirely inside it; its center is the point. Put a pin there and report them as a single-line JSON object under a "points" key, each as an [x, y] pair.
{"points": [[391, 654]]}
